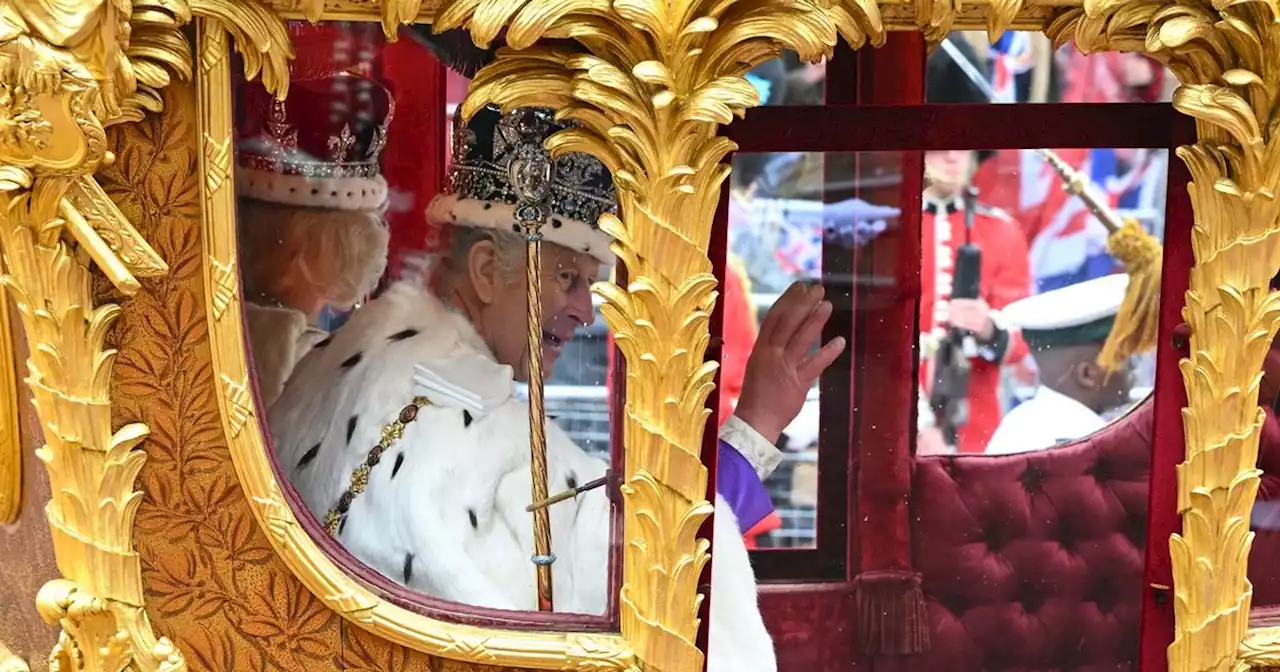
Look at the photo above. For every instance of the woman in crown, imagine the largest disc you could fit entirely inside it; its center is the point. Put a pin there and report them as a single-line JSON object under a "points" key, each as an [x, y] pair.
{"points": [[311, 199], [428, 481]]}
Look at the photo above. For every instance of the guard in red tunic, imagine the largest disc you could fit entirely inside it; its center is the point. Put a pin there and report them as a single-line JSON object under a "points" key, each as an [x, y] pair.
{"points": [[1004, 277]]}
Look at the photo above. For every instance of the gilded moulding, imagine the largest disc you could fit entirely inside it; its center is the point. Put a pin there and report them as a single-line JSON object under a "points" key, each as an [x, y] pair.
{"points": [[936, 18], [244, 432], [65, 71], [10, 662], [1224, 54], [10, 432]]}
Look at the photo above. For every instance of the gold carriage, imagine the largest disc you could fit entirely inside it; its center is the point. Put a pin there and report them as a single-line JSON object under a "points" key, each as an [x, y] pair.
{"points": [[120, 257]]}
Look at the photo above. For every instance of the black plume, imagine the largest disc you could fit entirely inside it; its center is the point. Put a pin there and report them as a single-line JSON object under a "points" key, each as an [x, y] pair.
{"points": [[454, 48]]}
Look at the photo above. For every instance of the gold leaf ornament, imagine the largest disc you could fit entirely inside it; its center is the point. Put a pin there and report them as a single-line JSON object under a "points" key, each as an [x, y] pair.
{"points": [[260, 37]]}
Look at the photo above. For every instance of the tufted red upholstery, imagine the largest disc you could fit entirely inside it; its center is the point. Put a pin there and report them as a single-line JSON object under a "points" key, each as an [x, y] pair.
{"points": [[1034, 561]]}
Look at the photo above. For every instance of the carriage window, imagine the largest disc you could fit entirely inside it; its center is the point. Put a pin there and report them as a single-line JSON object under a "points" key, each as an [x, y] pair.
{"points": [[815, 218], [1024, 284], [398, 402], [1022, 67]]}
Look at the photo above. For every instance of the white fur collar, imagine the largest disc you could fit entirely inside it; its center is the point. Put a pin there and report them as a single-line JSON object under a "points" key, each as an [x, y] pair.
{"points": [[410, 304]]}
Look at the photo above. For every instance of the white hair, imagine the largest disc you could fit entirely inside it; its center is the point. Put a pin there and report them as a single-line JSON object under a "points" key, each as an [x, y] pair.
{"points": [[447, 266]]}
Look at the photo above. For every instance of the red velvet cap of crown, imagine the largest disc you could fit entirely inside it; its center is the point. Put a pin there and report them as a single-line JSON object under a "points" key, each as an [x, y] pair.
{"points": [[319, 147], [330, 48]]}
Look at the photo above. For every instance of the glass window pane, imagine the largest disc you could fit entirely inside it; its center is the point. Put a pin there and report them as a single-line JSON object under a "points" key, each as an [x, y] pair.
{"points": [[1026, 237], [806, 217], [1021, 67], [399, 413]]}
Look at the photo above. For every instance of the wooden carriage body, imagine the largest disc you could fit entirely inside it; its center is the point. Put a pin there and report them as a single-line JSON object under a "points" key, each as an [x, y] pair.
{"points": [[145, 527]]}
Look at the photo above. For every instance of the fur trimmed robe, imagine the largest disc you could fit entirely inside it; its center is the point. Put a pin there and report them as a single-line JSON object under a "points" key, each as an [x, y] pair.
{"points": [[444, 509]]}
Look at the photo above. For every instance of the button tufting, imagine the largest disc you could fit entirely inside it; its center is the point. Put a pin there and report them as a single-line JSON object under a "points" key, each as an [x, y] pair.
{"points": [[1030, 598], [1032, 479], [1100, 471]]}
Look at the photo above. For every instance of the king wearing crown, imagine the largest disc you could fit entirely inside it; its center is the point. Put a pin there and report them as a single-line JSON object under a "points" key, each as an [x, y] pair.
{"points": [[405, 435], [311, 197]]}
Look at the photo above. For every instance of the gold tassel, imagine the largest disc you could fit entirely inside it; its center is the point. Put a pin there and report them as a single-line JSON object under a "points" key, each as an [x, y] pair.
{"points": [[1137, 325], [1138, 322]]}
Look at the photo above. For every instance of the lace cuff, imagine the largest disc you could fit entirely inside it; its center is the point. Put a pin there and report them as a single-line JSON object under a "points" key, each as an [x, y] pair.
{"points": [[762, 455]]}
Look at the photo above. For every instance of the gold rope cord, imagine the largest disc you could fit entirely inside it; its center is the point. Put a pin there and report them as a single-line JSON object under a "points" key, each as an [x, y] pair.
{"points": [[537, 419]]}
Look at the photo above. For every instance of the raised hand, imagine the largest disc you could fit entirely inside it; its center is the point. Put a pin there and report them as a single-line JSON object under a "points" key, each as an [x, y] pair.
{"points": [[782, 367]]}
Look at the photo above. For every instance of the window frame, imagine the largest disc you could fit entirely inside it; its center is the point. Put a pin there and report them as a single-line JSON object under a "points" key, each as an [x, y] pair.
{"points": [[878, 109]]}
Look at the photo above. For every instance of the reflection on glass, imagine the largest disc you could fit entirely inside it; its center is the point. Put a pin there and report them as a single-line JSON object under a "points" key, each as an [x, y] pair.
{"points": [[1021, 67], [1020, 295], [787, 80], [798, 216]]}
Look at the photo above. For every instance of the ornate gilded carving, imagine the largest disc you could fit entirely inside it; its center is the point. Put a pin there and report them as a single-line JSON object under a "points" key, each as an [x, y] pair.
{"points": [[1260, 650], [23, 127], [1225, 56], [895, 14], [10, 435], [651, 82], [66, 69], [90, 204], [10, 662], [91, 468]]}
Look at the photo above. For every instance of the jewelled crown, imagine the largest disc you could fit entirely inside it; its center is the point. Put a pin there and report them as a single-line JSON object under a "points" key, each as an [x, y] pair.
{"points": [[319, 147], [571, 192]]}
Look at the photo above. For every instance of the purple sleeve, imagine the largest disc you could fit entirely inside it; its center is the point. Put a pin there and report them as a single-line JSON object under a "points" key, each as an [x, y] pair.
{"points": [[737, 482]]}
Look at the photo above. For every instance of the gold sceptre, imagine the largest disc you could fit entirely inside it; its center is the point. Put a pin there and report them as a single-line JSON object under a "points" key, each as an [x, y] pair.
{"points": [[1137, 326], [531, 178]]}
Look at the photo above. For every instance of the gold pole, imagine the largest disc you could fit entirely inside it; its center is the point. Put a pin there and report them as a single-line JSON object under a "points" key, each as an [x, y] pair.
{"points": [[1077, 184], [531, 185]]}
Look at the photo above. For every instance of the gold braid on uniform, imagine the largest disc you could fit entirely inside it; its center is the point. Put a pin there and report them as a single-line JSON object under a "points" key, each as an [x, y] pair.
{"points": [[391, 432]]}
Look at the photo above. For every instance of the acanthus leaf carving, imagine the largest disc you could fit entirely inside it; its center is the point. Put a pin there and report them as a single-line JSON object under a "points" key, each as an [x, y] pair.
{"points": [[1223, 54], [67, 70]]}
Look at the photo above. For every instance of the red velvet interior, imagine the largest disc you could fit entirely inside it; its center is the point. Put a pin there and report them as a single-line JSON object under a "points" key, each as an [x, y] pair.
{"points": [[1035, 561]]}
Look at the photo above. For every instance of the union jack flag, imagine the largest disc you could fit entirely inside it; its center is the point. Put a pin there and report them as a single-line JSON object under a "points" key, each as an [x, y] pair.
{"points": [[1011, 56], [1066, 244]]}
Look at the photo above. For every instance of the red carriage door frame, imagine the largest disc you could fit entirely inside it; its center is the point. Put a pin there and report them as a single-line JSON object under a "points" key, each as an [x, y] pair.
{"points": [[1156, 630], [813, 587]]}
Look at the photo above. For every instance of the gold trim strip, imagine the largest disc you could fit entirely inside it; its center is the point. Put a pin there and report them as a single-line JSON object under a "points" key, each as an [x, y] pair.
{"points": [[10, 431]]}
